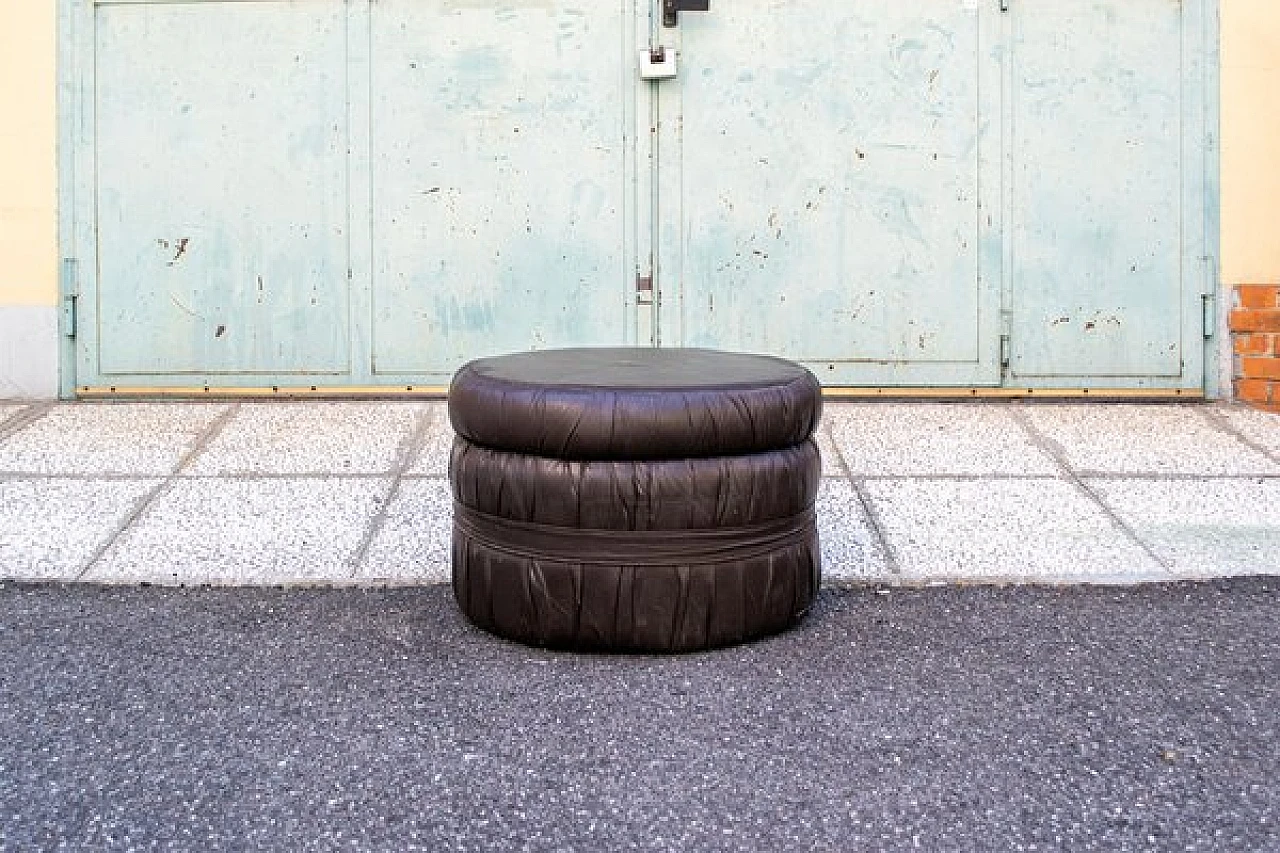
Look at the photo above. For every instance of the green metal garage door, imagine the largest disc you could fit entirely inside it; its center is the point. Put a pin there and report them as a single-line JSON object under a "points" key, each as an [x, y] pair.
{"points": [[363, 195]]}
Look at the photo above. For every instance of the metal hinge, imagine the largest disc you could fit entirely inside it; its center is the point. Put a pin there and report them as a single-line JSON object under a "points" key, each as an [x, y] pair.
{"points": [[1006, 340], [1209, 315], [70, 287], [1209, 297], [644, 289]]}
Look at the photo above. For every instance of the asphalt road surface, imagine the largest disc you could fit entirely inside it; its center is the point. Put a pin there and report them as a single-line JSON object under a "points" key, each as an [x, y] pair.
{"points": [[939, 719]]}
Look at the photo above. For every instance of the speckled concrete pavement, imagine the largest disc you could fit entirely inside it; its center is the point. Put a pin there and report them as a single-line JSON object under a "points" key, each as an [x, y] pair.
{"points": [[354, 493]]}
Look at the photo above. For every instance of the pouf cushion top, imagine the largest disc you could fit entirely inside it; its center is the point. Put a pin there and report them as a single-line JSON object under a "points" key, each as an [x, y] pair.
{"points": [[634, 403]]}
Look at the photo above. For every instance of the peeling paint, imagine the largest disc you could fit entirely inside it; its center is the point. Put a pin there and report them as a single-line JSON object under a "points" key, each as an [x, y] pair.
{"points": [[181, 249]]}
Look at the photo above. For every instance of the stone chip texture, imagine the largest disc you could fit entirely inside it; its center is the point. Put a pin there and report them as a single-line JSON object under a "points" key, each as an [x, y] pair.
{"points": [[1262, 428], [413, 543], [1005, 530], [1204, 528], [246, 531], [7, 411], [972, 492], [880, 439], [50, 528], [135, 439], [1121, 439], [309, 438]]}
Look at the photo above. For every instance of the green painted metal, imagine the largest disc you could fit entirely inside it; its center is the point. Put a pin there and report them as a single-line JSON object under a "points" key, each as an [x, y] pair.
{"points": [[500, 156], [221, 194], [1107, 193], [288, 193], [834, 196], [368, 193]]}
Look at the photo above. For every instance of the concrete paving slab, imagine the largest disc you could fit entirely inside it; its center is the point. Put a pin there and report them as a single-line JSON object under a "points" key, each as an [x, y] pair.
{"points": [[309, 438], [934, 439], [1203, 528], [958, 490], [1262, 428], [1145, 439], [1042, 530], [50, 528], [8, 410], [850, 551], [832, 465], [433, 458], [246, 531], [134, 439], [413, 545]]}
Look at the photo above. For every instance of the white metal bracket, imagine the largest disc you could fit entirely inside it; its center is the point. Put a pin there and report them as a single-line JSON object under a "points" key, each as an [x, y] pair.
{"points": [[657, 63]]}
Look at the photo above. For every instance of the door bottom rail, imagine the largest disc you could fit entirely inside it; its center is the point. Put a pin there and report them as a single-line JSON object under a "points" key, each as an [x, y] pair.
{"points": [[439, 392]]}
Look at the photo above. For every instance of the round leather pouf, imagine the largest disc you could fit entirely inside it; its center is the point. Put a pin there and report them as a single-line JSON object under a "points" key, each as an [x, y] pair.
{"points": [[685, 546]]}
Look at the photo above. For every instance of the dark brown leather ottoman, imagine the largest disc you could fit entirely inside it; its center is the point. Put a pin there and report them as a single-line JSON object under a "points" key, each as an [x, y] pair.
{"points": [[634, 499]]}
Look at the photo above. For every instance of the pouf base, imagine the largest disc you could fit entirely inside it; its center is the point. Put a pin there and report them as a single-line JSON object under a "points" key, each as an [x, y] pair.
{"points": [[634, 608]]}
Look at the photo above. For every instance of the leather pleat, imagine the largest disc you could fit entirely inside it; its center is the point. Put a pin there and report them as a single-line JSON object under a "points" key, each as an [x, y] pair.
{"points": [[684, 494]]}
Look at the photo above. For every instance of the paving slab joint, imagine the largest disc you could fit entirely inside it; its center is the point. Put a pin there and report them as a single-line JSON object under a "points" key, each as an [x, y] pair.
{"points": [[198, 446], [23, 418], [1215, 418], [1058, 454], [406, 456], [864, 500]]}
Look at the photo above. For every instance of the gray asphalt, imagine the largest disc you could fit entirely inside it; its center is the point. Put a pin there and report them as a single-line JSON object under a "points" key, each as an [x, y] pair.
{"points": [[941, 719]]}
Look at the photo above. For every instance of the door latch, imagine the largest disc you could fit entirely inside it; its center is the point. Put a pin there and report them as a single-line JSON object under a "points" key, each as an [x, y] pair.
{"points": [[657, 63], [671, 9]]}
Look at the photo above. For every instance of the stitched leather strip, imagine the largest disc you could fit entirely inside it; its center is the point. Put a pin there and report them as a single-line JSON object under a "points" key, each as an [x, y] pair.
{"points": [[633, 547]]}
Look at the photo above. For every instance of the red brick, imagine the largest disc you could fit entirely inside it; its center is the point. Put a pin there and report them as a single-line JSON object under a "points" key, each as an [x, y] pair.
{"points": [[1247, 344], [1255, 320], [1259, 295], [1260, 368], [1257, 391]]}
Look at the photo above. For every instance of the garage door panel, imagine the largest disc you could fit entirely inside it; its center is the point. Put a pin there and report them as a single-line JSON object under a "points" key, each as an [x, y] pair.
{"points": [[830, 163], [1096, 189], [221, 188], [499, 196], [369, 193]]}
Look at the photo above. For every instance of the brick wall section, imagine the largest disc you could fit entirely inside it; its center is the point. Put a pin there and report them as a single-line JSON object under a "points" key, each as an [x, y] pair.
{"points": [[1255, 335]]}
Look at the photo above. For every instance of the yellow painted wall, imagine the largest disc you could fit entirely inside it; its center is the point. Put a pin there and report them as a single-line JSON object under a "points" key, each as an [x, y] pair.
{"points": [[1251, 141], [28, 159]]}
